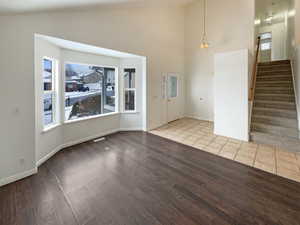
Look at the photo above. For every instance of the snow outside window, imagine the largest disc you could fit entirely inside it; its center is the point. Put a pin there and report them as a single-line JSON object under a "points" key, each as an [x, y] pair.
{"points": [[49, 92], [129, 90], [89, 91]]}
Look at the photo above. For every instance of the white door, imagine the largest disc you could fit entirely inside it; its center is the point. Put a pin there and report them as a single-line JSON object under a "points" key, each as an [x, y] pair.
{"points": [[173, 97]]}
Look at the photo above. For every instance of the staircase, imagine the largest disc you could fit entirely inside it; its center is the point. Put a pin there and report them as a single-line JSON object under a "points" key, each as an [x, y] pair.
{"points": [[274, 114]]}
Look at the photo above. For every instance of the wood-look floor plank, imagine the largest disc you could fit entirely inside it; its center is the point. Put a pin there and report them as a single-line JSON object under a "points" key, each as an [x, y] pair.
{"points": [[136, 178]]}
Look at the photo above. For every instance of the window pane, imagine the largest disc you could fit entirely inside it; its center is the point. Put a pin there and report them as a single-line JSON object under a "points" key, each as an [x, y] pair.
{"points": [[47, 74], [265, 36], [89, 91], [129, 78], [109, 91], [129, 100], [265, 46], [172, 87], [48, 109]]}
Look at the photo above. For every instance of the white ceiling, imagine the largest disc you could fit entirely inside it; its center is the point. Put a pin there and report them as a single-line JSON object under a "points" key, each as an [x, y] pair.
{"points": [[17, 6], [276, 8], [76, 46]]}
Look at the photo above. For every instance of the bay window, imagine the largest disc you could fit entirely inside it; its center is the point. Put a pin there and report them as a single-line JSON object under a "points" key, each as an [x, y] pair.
{"points": [[89, 91], [129, 90], [49, 91]]}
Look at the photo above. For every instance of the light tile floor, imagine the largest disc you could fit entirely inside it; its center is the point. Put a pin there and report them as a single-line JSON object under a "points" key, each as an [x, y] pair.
{"points": [[199, 134]]}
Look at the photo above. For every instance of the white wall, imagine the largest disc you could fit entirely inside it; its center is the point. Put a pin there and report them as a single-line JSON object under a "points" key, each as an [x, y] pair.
{"points": [[156, 33], [66, 134], [279, 40], [46, 142], [230, 27], [296, 72], [132, 120], [231, 94], [93, 127]]}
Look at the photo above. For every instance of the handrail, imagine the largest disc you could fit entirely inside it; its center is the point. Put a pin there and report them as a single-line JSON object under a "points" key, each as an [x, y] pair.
{"points": [[254, 72]]}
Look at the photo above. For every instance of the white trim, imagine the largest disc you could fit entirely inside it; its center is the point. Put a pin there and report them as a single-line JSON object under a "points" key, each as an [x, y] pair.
{"points": [[22, 175], [18, 176], [54, 92], [91, 117], [48, 156], [89, 138], [129, 89], [294, 85], [130, 112], [198, 118], [63, 95], [50, 127], [132, 129], [72, 143]]}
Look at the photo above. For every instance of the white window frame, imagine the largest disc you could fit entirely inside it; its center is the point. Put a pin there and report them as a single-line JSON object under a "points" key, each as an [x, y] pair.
{"points": [[129, 89], [266, 42], [177, 85], [53, 92], [65, 121]]}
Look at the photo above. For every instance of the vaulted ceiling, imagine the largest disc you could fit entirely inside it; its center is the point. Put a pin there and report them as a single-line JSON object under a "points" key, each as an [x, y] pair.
{"points": [[15, 6]]}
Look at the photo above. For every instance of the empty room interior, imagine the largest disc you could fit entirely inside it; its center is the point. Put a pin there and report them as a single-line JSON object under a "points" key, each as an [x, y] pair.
{"points": [[150, 112]]}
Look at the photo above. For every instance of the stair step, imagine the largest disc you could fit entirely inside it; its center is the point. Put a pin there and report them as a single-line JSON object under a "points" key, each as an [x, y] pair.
{"points": [[288, 84], [276, 121], [274, 73], [274, 90], [275, 78], [275, 130], [291, 144], [269, 74], [291, 114], [274, 67], [279, 62], [275, 105], [274, 97]]}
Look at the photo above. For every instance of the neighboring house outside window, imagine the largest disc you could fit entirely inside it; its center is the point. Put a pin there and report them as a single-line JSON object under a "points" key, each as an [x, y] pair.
{"points": [[49, 92], [129, 90], [89, 91]]}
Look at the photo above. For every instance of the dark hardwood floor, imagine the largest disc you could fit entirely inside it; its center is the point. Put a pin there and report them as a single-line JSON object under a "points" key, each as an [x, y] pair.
{"points": [[135, 178]]}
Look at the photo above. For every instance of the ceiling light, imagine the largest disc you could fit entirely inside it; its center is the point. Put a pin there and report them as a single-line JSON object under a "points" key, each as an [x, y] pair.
{"points": [[204, 42]]}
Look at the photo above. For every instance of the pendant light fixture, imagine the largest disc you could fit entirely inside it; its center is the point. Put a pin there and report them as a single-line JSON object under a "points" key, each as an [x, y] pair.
{"points": [[204, 42]]}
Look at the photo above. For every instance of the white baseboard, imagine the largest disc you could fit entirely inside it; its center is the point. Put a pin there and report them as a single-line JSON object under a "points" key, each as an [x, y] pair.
{"points": [[132, 129], [22, 175], [198, 118], [18, 176], [49, 155], [72, 143]]}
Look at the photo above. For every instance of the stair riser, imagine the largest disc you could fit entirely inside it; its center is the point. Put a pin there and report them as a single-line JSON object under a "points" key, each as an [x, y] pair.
{"points": [[282, 62], [274, 91], [274, 67], [275, 98], [266, 84], [274, 73], [273, 78], [275, 105], [288, 114], [292, 145], [281, 131], [265, 141], [288, 123]]}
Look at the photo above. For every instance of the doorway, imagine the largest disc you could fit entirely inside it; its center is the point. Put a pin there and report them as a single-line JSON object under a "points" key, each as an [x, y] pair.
{"points": [[173, 97]]}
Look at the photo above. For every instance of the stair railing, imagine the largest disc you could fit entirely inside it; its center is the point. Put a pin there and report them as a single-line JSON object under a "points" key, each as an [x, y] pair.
{"points": [[254, 72]]}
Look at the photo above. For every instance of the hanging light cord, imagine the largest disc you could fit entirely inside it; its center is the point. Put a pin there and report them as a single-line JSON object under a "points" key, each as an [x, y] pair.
{"points": [[204, 20]]}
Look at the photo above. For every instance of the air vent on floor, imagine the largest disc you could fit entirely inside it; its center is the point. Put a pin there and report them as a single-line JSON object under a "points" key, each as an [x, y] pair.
{"points": [[99, 139]]}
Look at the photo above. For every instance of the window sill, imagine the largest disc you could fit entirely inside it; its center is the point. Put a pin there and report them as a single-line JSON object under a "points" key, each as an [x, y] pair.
{"points": [[50, 127], [130, 112], [90, 118]]}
